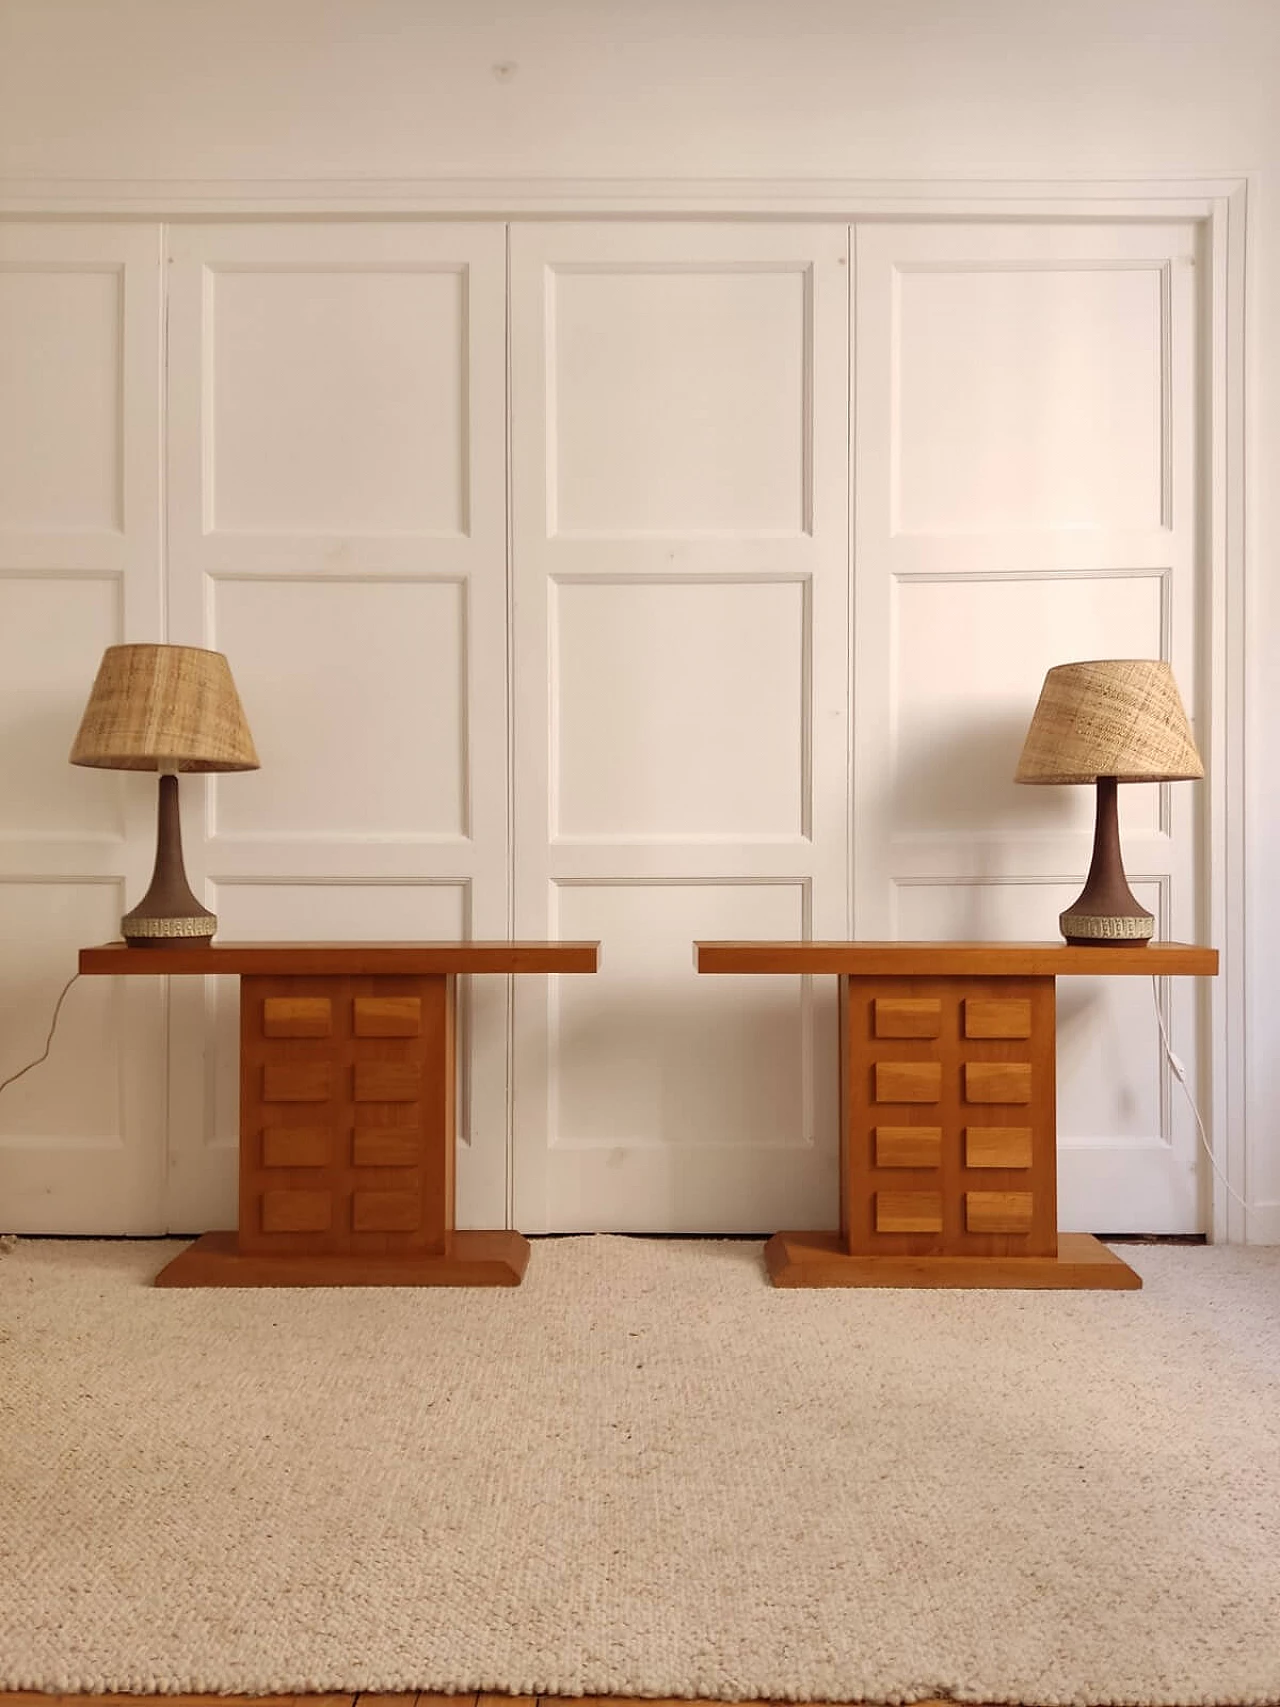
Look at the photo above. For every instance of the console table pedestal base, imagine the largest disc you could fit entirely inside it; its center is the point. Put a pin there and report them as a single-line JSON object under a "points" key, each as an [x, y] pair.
{"points": [[820, 1259], [470, 1259]]}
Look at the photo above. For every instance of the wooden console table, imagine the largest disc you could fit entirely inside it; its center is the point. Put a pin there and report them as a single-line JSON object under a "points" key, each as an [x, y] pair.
{"points": [[948, 1144], [347, 1069]]}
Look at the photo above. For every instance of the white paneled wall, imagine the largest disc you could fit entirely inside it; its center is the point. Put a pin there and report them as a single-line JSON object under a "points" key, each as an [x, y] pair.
{"points": [[628, 579]]}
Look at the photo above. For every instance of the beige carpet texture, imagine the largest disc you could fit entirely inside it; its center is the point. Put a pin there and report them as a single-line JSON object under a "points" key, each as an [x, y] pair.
{"points": [[644, 1472]]}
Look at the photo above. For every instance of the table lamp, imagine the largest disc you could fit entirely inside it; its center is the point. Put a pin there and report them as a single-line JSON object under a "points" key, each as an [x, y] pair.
{"points": [[166, 709], [1108, 720]]}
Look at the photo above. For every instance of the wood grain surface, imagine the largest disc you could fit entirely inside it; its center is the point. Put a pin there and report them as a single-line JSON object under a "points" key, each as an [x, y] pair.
{"points": [[117, 959], [952, 959]]}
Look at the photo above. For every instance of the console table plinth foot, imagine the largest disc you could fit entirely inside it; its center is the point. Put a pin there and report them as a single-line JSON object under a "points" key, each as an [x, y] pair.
{"points": [[820, 1259], [470, 1259]]}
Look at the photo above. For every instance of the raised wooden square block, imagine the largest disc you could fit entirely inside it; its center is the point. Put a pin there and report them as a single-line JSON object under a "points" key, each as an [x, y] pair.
{"points": [[998, 1211], [1007, 1017], [997, 1081], [908, 1212], [387, 1016], [387, 1081], [997, 1146], [908, 1146], [908, 1081], [906, 1016], [297, 1016]]}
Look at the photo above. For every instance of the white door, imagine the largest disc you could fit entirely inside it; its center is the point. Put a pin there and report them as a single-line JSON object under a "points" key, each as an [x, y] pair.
{"points": [[338, 528], [82, 1136], [1026, 495], [680, 633]]}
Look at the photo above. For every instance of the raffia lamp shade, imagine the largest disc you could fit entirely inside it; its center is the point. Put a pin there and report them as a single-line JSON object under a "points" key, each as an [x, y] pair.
{"points": [[1107, 721], [166, 709], [1119, 717]]}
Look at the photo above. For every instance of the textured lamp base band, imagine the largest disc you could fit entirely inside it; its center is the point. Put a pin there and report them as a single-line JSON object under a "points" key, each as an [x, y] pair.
{"points": [[165, 930], [1097, 927]]}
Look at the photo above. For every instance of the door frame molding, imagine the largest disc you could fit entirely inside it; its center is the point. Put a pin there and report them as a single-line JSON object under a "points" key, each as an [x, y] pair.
{"points": [[1220, 205], [578, 198]]}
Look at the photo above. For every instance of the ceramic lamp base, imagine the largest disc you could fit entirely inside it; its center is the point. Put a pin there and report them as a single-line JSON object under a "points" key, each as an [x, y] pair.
{"points": [[183, 928], [1086, 929]]}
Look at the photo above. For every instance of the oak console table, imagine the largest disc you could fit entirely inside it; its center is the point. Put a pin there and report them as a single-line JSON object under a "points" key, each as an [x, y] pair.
{"points": [[948, 1143], [347, 1071]]}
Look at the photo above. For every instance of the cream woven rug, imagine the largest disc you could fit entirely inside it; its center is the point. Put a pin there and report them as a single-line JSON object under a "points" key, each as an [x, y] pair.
{"points": [[643, 1472]]}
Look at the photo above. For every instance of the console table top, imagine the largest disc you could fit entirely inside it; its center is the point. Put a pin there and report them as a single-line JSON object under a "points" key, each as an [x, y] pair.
{"points": [[336, 959], [957, 959]]}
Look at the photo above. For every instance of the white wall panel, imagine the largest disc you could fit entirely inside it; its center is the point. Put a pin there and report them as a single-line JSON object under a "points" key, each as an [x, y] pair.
{"points": [[339, 398], [382, 750], [680, 573], [1029, 397], [704, 369], [680, 709]]}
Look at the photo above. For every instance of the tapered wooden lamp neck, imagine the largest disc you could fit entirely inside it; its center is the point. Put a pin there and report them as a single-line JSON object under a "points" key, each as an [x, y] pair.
{"points": [[168, 910], [1106, 910]]}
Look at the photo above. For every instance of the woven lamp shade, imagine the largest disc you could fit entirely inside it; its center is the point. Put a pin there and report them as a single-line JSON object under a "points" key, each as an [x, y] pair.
{"points": [[1109, 717], [170, 707]]}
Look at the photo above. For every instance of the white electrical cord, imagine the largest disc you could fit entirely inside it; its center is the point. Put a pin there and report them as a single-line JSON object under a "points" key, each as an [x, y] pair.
{"points": [[1180, 1074], [48, 1042]]}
